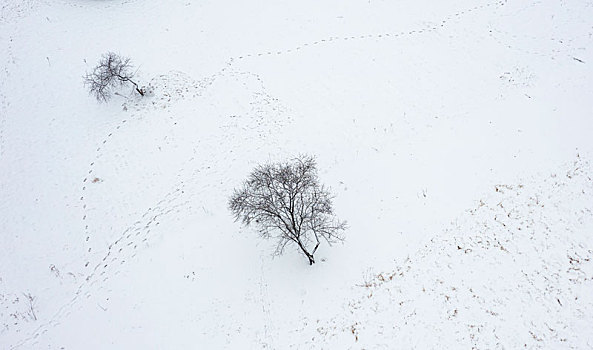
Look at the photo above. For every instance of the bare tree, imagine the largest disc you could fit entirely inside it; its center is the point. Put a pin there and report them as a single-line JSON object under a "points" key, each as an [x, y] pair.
{"points": [[111, 72], [286, 201]]}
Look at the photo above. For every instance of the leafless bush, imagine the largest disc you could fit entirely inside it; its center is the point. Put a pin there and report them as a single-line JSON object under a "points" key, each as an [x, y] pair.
{"points": [[31, 306], [286, 201], [111, 72]]}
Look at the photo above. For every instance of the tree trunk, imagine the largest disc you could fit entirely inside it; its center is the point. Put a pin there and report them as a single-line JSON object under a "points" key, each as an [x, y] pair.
{"points": [[309, 256], [140, 91], [123, 78]]}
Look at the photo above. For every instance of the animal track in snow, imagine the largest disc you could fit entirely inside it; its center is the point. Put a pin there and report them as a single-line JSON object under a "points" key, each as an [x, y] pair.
{"points": [[552, 54], [384, 35]]}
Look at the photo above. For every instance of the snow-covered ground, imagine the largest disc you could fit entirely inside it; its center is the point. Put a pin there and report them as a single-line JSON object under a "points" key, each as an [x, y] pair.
{"points": [[457, 138]]}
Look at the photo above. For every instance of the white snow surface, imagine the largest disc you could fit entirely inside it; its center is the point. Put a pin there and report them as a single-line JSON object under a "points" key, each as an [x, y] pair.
{"points": [[456, 136]]}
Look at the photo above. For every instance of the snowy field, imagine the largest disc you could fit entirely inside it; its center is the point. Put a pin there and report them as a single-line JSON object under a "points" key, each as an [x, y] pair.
{"points": [[457, 137]]}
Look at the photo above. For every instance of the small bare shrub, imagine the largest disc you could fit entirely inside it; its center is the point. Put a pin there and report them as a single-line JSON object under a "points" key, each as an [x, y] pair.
{"points": [[111, 72], [31, 306]]}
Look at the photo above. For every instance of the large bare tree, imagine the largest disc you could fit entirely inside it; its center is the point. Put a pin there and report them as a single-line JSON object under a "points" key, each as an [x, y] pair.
{"points": [[111, 72], [286, 201]]}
